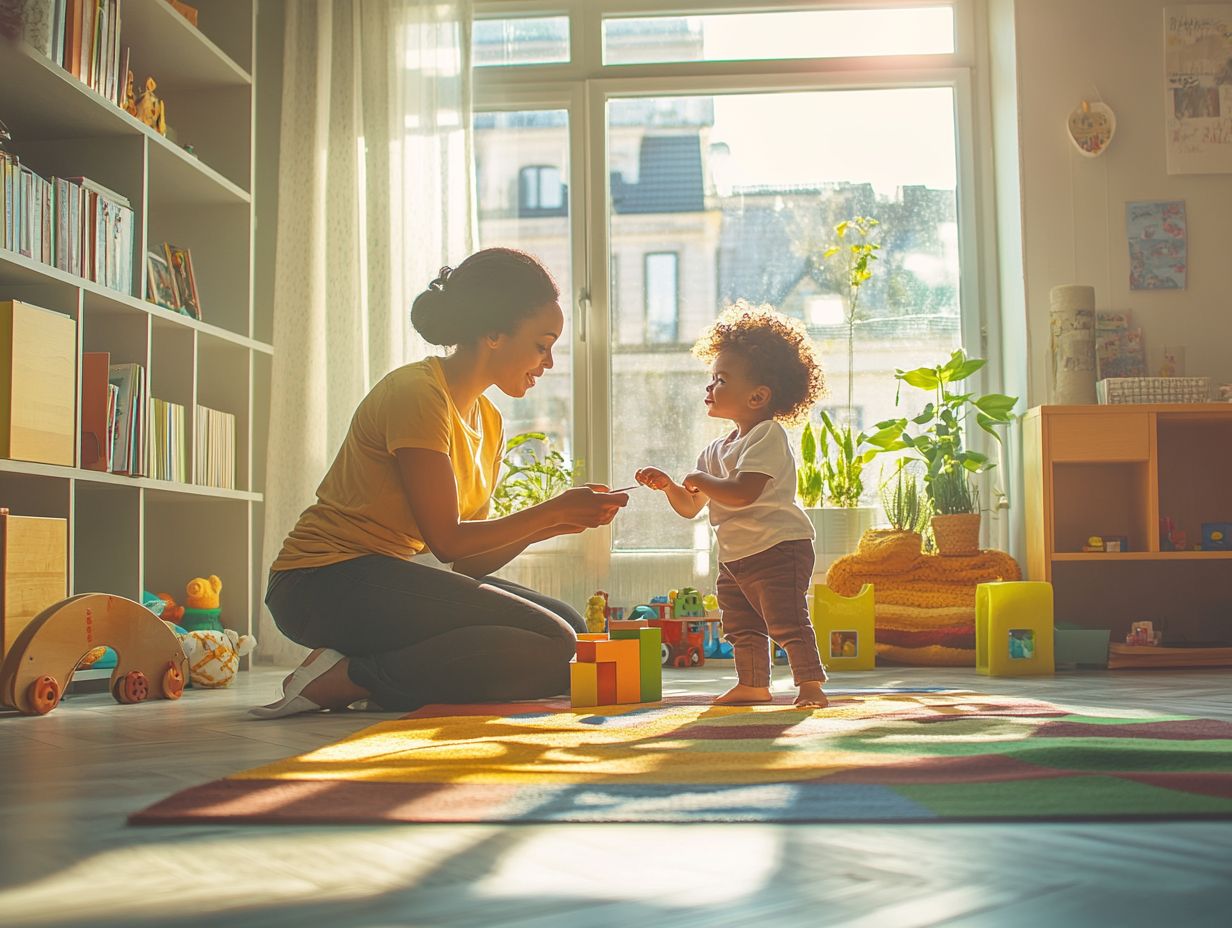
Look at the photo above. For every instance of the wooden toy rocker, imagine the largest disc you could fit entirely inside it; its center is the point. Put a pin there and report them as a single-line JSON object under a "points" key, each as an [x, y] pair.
{"points": [[38, 667]]}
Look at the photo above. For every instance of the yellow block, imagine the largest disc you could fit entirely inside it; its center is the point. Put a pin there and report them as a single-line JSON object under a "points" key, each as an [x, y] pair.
{"points": [[845, 628], [1013, 628], [583, 685]]}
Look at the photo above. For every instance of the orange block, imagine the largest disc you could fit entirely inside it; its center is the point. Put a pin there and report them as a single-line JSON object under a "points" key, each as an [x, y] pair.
{"points": [[614, 624], [605, 679]]}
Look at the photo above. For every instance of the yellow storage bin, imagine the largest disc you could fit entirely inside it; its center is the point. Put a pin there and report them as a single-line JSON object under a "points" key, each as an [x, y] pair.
{"points": [[1014, 628], [844, 626]]}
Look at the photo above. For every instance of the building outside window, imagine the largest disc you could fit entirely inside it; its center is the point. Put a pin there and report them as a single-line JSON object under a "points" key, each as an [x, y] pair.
{"points": [[662, 297]]}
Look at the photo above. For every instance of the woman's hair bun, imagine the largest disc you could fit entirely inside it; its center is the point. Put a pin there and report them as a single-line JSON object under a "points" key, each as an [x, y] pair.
{"points": [[491, 291], [432, 317]]}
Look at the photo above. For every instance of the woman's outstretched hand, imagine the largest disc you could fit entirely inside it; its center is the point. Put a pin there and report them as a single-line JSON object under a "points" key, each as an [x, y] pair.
{"points": [[589, 506]]}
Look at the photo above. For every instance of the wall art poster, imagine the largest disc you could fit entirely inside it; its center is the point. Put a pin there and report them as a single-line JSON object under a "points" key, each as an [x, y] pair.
{"points": [[1157, 249], [1198, 87]]}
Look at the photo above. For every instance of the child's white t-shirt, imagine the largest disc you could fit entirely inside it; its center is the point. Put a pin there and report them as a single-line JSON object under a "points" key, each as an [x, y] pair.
{"points": [[774, 516]]}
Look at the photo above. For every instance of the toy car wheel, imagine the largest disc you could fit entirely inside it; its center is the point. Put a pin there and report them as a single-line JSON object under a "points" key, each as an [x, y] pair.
{"points": [[173, 682], [134, 686], [42, 695], [695, 658], [665, 655]]}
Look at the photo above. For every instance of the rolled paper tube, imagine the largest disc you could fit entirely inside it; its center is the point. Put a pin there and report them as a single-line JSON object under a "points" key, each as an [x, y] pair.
{"points": [[1072, 321]]}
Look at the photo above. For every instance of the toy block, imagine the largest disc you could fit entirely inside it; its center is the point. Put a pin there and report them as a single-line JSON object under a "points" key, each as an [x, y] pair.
{"points": [[583, 685], [845, 628], [592, 636], [1014, 628], [606, 675], [625, 624], [650, 664], [628, 670]]}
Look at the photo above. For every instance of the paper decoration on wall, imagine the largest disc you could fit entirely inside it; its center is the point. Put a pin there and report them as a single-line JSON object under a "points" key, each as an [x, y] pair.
{"points": [[1158, 258], [1198, 71], [1118, 347], [1091, 128]]}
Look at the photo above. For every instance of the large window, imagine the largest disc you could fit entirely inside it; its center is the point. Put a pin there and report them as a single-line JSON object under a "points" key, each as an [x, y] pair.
{"points": [[715, 169]]}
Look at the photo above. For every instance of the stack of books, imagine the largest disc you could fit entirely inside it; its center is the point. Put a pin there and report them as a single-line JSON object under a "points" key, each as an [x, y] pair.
{"points": [[83, 37], [167, 458], [215, 448], [114, 403], [74, 224]]}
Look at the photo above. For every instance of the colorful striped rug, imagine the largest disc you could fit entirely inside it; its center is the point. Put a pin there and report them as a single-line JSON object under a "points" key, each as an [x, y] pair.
{"points": [[871, 756]]}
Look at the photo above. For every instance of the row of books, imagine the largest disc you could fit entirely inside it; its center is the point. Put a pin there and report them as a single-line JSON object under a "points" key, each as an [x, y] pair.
{"points": [[215, 448], [83, 37], [125, 430], [74, 224]]}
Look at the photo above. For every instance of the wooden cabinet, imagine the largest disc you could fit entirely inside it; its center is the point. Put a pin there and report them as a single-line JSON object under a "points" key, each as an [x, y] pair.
{"points": [[1117, 471], [194, 190]]}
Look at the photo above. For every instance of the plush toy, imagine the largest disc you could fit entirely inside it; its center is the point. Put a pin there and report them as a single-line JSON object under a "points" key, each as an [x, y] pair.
{"points": [[594, 612], [214, 656], [171, 611], [201, 611]]}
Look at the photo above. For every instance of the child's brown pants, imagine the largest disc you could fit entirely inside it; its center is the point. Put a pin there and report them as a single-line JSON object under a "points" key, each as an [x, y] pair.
{"points": [[762, 598]]}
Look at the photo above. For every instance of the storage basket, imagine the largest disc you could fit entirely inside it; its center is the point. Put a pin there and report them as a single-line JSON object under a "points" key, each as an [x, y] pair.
{"points": [[1112, 390], [957, 535]]}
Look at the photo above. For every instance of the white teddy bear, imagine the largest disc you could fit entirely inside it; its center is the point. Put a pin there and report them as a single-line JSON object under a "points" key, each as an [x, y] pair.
{"points": [[214, 657]]}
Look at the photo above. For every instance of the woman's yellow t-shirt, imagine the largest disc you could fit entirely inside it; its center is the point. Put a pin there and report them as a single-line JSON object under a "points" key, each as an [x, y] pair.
{"points": [[361, 507]]}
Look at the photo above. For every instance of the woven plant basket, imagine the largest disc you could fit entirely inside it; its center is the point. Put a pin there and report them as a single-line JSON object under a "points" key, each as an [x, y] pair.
{"points": [[957, 536]]}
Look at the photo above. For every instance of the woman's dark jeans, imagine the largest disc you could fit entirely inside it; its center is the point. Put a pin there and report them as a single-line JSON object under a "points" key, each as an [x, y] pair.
{"points": [[416, 634]]}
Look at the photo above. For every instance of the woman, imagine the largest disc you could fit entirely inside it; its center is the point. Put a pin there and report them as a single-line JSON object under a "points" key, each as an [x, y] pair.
{"points": [[415, 475]]}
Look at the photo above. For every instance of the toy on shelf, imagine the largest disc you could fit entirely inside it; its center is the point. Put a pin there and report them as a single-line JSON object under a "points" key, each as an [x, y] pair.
{"points": [[152, 110], [617, 668], [37, 669], [1107, 544], [214, 657], [201, 610], [129, 103], [1217, 536], [1143, 634]]}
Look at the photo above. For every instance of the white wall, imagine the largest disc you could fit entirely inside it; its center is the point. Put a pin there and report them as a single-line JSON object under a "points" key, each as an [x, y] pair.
{"points": [[1074, 207]]}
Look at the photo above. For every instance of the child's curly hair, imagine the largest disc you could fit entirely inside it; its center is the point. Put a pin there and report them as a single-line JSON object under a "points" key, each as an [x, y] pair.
{"points": [[778, 352]]}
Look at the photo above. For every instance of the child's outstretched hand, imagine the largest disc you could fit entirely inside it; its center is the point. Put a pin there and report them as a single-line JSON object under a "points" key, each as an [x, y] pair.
{"points": [[653, 477]]}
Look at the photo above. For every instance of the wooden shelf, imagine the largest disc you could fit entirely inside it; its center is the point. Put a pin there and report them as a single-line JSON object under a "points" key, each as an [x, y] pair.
{"points": [[53, 105], [1120, 470], [135, 533], [179, 54], [1114, 557]]}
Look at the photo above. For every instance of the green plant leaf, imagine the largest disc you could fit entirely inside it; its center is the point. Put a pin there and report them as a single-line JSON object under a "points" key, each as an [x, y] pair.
{"points": [[996, 405], [923, 378]]}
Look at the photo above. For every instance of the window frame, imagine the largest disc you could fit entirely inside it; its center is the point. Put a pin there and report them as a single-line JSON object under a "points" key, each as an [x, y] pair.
{"points": [[584, 85]]}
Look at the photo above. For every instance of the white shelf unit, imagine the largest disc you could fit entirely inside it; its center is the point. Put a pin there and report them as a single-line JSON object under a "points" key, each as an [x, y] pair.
{"points": [[132, 534]]}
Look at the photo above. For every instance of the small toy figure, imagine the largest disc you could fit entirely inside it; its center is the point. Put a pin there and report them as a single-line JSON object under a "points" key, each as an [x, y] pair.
{"points": [[214, 656], [150, 109], [1143, 634], [202, 612], [1225, 392], [595, 608], [130, 97]]}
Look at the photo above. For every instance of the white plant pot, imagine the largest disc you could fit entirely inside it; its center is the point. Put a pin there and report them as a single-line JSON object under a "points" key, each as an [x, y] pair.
{"points": [[838, 533]]}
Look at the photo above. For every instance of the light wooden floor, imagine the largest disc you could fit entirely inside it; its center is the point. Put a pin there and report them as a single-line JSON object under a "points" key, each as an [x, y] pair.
{"points": [[67, 781]]}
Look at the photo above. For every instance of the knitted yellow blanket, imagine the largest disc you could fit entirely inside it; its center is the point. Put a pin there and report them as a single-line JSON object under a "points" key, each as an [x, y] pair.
{"points": [[924, 604]]}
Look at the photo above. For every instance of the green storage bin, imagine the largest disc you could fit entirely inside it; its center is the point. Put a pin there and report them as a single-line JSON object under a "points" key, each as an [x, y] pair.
{"points": [[1077, 648]]}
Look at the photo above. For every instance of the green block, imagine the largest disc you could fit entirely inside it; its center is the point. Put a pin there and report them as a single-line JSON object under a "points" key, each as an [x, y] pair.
{"points": [[651, 664], [617, 633]]}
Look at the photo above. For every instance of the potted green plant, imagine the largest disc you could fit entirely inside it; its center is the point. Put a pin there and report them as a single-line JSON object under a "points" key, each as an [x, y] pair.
{"points": [[841, 451], [532, 472], [906, 508], [937, 441]]}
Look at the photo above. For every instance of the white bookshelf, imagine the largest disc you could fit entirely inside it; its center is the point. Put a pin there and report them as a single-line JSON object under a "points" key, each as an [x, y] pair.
{"points": [[129, 534]]}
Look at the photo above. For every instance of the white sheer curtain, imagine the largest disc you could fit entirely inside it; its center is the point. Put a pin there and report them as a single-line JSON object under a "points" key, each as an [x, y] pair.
{"points": [[374, 196]]}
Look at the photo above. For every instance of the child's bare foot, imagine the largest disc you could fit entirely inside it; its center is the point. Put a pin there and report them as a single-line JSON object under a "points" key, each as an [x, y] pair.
{"points": [[741, 695], [811, 696]]}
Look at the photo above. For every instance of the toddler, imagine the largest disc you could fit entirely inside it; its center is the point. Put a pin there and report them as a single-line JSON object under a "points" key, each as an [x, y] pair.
{"points": [[763, 371]]}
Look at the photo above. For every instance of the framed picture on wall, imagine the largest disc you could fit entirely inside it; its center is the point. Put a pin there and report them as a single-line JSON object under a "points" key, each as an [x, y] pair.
{"points": [[160, 283], [180, 261]]}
